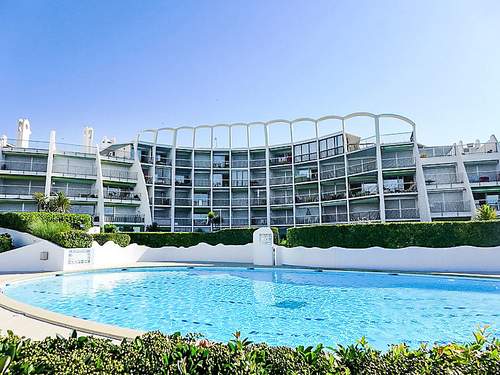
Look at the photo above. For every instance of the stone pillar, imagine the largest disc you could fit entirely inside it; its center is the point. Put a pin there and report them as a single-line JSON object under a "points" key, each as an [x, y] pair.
{"points": [[263, 250]]}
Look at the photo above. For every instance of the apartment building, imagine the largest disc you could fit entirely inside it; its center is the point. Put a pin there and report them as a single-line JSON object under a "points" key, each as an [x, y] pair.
{"points": [[335, 169]]}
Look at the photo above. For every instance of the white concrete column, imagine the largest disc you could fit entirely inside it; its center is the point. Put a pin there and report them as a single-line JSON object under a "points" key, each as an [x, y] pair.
{"points": [[50, 162], [424, 209], [380, 176], [468, 190], [100, 188]]}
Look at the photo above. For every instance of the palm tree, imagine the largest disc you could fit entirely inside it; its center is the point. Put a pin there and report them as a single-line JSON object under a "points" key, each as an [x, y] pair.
{"points": [[41, 201], [61, 202], [486, 212], [210, 219]]}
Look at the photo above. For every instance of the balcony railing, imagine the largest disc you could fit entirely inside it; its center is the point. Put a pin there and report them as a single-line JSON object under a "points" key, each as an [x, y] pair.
{"points": [[74, 192], [218, 164], [443, 179], [19, 145], [495, 206], [281, 180], [147, 159], [162, 201], [284, 220], [183, 163], [281, 160], [239, 183], [183, 202], [437, 151], [362, 165], [334, 218], [74, 170], [258, 221], [71, 149], [258, 201], [332, 172], [365, 215], [202, 163], [394, 163], [363, 191], [239, 221], [257, 181], [220, 202], [201, 182], [162, 221], [239, 202], [450, 207], [201, 202], [406, 187], [220, 183], [333, 195], [161, 180], [117, 155], [21, 166], [183, 222], [121, 195], [163, 160], [257, 163], [306, 198], [308, 219], [401, 214], [119, 174], [200, 222], [482, 148], [182, 181], [484, 177], [239, 163], [313, 176], [18, 190], [124, 219], [281, 200]]}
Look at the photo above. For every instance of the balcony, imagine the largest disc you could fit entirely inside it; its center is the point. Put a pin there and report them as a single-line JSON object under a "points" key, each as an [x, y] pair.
{"points": [[363, 192], [146, 159], [23, 167], [437, 151], [183, 222], [257, 181], [17, 191], [260, 221], [278, 200], [200, 222], [443, 179], [201, 182], [334, 218], [306, 198], [79, 150], [239, 183], [121, 195], [74, 170], [372, 215], [76, 193], [402, 214], [481, 148], [221, 202], [182, 181], [239, 202], [201, 202], [220, 183], [398, 163], [362, 166], [239, 222], [257, 163], [117, 174], [308, 219], [202, 163], [333, 195], [220, 164], [163, 221], [284, 220], [162, 180], [162, 201], [125, 219], [458, 208], [281, 160], [20, 146], [258, 201], [185, 163], [484, 178], [239, 163], [281, 180], [406, 187], [334, 172], [494, 205], [187, 202], [163, 161], [311, 177]]}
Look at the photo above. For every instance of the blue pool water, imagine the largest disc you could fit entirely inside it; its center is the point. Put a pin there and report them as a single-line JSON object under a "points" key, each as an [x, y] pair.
{"points": [[278, 306]]}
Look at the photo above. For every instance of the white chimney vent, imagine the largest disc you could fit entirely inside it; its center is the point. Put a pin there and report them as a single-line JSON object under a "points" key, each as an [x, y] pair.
{"points": [[23, 133], [88, 138]]}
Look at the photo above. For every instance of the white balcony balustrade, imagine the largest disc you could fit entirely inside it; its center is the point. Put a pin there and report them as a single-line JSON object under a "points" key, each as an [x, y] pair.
{"points": [[281, 180], [443, 179], [21, 166], [356, 166], [402, 214], [282, 220], [117, 174], [484, 178], [396, 163], [334, 218], [444, 207], [308, 219], [370, 215]]}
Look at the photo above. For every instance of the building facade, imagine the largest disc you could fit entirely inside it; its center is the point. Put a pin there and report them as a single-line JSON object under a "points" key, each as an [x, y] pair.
{"points": [[335, 169]]}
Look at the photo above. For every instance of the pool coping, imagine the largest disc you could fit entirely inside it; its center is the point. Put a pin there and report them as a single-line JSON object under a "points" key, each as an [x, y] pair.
{"points": [[119, 333]]}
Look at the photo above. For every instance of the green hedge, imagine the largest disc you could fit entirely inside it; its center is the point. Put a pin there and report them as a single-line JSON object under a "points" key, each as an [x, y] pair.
{"points": [[5, 242], [398, 235], [155, 353], [21, 220], [73, 239], [121, 239], [226, 237]]}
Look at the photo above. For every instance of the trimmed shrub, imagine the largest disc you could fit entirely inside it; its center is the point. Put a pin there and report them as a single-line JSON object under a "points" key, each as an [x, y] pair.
{"points": [[73, 239], [121, 239], [110, 228], [21, 220], [241, 236], [156, 353], [47, 229], [5, 242], [398, 235]]}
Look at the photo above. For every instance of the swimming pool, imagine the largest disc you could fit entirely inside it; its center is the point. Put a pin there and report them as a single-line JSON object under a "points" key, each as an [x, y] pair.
{"points": [[279, 306]]}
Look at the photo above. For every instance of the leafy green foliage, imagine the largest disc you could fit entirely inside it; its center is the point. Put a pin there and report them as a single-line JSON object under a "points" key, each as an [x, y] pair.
{"points": [[110, 228], [73, 239], [156, 353], [398, 235], [21, 220], [5, 245], [225, 237], [486, 212], [47, 229], [57, 203], [121, 239]]}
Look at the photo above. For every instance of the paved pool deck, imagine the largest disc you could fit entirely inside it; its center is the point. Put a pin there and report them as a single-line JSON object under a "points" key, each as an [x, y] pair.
{"points": [[35, 323]]}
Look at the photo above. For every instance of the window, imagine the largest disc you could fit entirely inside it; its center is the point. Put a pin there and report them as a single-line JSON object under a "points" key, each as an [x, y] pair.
{"points": [[331, 146], [305, 152]]}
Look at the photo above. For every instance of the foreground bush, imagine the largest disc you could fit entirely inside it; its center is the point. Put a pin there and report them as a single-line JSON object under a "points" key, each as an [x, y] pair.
{"points": [[21, 220], [121, 239], [73, 239], [5, 242], [155, 353], [226, 237], [398, 235], [47, 229]]}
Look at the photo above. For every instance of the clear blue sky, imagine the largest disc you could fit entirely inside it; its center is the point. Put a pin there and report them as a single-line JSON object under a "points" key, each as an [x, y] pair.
{"points": [[121, 66]]}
